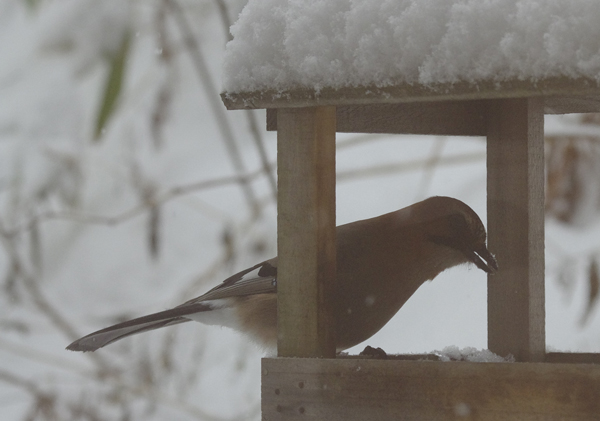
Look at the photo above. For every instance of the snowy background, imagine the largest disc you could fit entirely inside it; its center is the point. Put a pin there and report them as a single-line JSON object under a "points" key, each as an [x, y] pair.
{"points": [[126, 188]]}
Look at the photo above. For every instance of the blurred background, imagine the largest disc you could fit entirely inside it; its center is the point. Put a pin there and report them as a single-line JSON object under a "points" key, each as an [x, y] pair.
{"points": [[127, 188]]}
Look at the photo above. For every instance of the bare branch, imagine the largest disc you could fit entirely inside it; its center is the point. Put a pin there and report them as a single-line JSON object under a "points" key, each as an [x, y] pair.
{"points": [[174, 192], [44, 357], [250, 114], [54, 315], [164, 96], [19, 382], [168, 195], [593, 290], [212, 95], [430, 167], [44, 402], [262, 151], [225, 21], [42, 303], [379, 170]]}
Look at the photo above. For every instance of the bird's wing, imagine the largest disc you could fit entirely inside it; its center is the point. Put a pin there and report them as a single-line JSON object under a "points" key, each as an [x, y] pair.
{"points": [[259, 279]]}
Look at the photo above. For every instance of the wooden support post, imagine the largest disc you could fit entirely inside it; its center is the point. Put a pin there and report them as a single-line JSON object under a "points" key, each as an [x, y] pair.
{"points": [[306, 231], [515, 208]]}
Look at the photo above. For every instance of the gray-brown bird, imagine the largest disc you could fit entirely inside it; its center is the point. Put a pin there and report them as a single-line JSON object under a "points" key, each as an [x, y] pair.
{"points": [[381, 262]]}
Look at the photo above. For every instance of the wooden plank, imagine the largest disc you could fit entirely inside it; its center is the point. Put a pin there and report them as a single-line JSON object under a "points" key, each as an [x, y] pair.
{"points": [[566, 105], [343, 389], [440, 118], [405, 92], [573, 357], [515, 213], [390, 357], [551, 357], [452, 118], [306, 231]]}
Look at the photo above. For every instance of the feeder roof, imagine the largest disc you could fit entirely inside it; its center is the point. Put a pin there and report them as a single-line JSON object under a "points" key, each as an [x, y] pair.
{"points": [[311, 52]]}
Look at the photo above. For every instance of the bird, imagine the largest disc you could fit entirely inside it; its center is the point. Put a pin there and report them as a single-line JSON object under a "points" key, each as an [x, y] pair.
{"points": [[381, 262]]}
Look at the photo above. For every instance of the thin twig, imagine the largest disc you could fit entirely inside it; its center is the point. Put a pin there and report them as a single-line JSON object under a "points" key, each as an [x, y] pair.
{"points": [[122, 385], [54, 315], [430, 167], [225, 21], [169, 195], [262, 151], [218, 264], [359, 139], [17, 381], [379, 170], [342, 176], [38, 355], [213, 98], [208, 274], [42, 304], [250, 114], [43, 403]]}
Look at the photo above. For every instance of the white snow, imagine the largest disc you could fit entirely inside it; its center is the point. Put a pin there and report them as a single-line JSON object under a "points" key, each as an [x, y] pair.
{"points": [[284, 44], [454, 353]]}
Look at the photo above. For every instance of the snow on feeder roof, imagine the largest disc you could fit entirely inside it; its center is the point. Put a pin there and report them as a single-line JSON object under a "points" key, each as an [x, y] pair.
{"points": [[321, 51]]}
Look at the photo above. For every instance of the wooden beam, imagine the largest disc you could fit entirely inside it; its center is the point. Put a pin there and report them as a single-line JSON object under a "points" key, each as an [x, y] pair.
{"points": [[515, 212], [573, 357], [557, 87], [306, 231], [551, 357], [566, 105], [451, 118], [348, 389]]}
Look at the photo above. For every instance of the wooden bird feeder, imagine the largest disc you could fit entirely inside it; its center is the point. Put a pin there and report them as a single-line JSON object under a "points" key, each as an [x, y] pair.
{"points": [[318, 386]]}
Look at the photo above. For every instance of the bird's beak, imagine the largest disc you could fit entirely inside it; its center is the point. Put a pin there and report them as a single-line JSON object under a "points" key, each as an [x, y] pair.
{"points": [[483, 259]]}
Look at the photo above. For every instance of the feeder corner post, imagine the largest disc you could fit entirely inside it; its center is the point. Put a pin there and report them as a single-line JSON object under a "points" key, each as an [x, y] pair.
{"points": [[515, 210], [306, 231]]}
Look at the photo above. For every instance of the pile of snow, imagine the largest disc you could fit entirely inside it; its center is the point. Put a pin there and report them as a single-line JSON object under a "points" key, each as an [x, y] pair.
{"points": [[285, 44], [454, 353]]}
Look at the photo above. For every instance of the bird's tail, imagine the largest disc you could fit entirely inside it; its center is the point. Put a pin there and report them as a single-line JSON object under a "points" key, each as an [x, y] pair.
{"points": [[106, 336]]}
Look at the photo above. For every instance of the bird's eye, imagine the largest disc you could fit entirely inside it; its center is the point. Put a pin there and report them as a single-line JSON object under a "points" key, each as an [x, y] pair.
{"points": [[444, 241]]}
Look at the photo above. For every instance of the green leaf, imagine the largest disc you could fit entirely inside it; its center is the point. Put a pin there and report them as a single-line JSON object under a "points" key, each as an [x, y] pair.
{"points": [[32, 4], [113, 86]]}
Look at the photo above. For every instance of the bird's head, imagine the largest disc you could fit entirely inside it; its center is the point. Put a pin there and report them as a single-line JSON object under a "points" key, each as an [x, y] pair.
{"points": [[451, 223]]}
